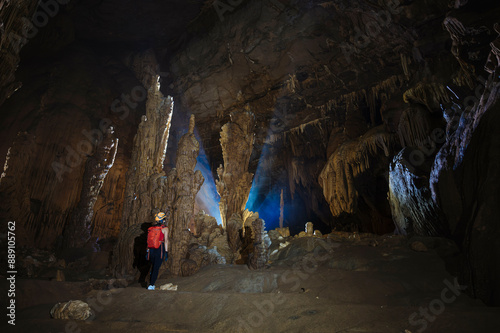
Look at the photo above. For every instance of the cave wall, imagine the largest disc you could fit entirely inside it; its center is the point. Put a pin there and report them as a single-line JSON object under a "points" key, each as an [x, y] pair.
{"points": [[50, 128], [464, 179], [15, 25]]}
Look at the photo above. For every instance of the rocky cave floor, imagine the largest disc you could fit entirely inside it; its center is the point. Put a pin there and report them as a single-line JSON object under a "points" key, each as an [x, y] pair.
{"points": [[339, 283]]}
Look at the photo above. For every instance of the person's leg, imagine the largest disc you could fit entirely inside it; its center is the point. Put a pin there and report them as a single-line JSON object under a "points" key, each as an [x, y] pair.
{"points": [[156, 259]]}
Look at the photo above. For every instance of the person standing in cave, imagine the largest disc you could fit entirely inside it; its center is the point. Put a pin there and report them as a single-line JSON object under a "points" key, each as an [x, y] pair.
{"points": [[157, 247]]}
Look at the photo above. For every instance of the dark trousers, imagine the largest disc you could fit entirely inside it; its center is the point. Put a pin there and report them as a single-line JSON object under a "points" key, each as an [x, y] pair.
{"points": [[156, 258]]}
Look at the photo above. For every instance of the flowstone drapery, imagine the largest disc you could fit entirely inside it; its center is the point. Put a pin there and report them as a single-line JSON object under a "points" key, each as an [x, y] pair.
{"points": [[350, 160], [185, 183], [78, 230]]}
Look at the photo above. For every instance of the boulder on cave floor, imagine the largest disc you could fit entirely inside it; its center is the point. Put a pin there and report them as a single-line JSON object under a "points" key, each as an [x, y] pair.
{"points": [[75, 310]]}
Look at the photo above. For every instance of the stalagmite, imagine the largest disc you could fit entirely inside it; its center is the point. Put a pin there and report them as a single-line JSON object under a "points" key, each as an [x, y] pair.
{"points": [[185, 183], [234, 225], [146, 191], [78, 229], [282, 206], [309, 229], [260, 255], [234, 183]]}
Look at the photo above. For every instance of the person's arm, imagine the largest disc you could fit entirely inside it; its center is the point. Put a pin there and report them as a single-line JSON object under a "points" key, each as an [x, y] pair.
{"points": [[166, 238]]}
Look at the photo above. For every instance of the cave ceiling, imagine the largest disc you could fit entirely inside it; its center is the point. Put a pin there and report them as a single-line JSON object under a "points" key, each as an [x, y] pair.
{"points": [[316, 74]]}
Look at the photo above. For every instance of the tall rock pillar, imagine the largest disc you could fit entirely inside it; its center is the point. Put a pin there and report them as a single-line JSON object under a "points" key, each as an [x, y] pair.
{"points": [[185, 183], [146, 190], [234, 183]]}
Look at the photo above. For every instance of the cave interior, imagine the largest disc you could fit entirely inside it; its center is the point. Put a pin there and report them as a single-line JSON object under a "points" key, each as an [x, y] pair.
{"points": [[265, 130]]}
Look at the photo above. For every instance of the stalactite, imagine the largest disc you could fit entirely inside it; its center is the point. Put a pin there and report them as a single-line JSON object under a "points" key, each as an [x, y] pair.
{"points": [[430, 95], [459, 35], [78, 229], [317, 123], [405, 62], [413, 127], [383, 90], [350, 160], [297, 174]]}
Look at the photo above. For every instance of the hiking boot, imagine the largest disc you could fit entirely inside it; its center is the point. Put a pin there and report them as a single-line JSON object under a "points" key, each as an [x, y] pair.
{"points": [[151, 287]]}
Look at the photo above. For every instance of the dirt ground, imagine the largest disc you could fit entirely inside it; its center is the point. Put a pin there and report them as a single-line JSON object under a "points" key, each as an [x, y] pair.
{"points": [[375, 284]]}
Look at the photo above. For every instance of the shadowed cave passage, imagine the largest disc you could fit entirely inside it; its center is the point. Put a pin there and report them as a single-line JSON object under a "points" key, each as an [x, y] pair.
{"points": [[373, 127]]}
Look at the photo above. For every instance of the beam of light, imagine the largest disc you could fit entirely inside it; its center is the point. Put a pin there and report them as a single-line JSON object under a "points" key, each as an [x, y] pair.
{"points": [[207, 198], [268, 209], [268, 205]]}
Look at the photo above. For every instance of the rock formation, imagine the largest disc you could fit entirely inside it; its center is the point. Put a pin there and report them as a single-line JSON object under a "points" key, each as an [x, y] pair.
{"points": [[309, 229], [464, 178], [234, 230], [16, 28], [74, 310], [78, 229], [333, 102], [351, 163], [234, 183], [261, 241], [282, 208], [413, 210], [147, 190], [198, 256], [185, 184], [209, 236]]}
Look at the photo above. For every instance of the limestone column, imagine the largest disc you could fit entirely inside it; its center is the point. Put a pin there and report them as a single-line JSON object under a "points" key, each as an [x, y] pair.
{"points": [[147, 188], [185, 183], [234, 183]]}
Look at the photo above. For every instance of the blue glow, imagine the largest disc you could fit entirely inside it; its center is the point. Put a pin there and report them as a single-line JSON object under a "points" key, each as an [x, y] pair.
{"points": [[207, 198], [268, 207]]}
